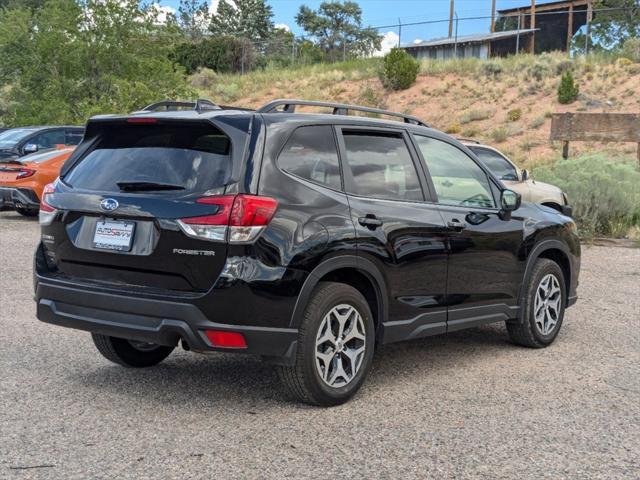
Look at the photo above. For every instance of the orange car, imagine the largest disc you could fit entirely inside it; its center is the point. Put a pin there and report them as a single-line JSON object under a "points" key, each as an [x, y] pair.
{"points": [[22, 181]]}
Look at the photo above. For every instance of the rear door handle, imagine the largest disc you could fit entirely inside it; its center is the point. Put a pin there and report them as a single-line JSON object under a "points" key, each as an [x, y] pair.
{"points": [[456, 225], [370, 221]]}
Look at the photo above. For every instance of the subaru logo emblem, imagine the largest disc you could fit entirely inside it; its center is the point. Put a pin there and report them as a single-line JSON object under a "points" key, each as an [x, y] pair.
{"points": [[109, 204]]}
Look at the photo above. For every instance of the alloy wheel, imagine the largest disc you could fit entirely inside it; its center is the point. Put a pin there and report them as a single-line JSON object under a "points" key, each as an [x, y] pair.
{"points": [[547, 304], [340, 345]]}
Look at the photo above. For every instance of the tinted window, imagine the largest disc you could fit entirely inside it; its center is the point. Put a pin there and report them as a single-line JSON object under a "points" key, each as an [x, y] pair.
{"points": [[192, 156], [48, 139], [74, 136], [381, 166], [495, 162], [311, 153], [458, 180]]}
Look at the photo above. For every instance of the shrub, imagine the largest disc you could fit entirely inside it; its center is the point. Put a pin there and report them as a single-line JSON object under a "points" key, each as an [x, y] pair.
{"points": [[453, 129], [220, 54], [631, 49], [399, 70], [603, 193], [499, 134], [568, 90], [514, 115], [491, 69], [538, 122], [475, 116]]}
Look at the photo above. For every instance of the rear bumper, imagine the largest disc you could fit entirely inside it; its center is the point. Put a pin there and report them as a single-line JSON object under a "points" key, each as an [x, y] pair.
{"points": [[154, 321], [12, 197]]}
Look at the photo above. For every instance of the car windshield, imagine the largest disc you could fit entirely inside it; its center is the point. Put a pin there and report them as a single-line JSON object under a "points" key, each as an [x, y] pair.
{"points": [[495, 162], [10, 138]]}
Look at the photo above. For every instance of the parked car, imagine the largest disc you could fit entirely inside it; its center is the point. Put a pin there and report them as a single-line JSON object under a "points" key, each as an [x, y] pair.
{"points": [[520, 180], [17, 142], [22, 181], [306, 239]]}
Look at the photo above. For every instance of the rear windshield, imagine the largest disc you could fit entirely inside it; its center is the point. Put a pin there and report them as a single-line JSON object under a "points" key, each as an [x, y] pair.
{"points": [[194, 157]]}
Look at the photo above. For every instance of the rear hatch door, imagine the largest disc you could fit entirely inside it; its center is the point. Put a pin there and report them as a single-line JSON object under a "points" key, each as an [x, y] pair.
{"points": [[120, 203]]}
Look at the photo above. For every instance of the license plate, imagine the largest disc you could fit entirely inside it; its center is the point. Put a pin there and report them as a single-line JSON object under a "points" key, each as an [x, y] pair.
{"points": [[113, 235]]}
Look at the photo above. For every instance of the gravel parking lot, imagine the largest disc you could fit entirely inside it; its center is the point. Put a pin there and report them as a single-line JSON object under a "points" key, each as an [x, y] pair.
{"points": [[469, 405]]}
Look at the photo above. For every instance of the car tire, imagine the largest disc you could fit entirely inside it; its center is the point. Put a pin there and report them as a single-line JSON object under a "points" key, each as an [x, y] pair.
{"points": [[335, 347], [544, 305], [129, 353], [27, 212]]}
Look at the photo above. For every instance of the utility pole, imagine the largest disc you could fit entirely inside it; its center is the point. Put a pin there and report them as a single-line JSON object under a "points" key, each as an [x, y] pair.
{"points": [[569, 29], [399, 32], [532, 25], [493, 16], [589, 18], [451, 11]]}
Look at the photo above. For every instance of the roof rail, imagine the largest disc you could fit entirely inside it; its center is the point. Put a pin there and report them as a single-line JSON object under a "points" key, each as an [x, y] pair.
{"points": [[289, 106], [199, 105]]}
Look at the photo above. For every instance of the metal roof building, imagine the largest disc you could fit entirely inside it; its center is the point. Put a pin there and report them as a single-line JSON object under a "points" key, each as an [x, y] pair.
{"points": [[480, 45]]}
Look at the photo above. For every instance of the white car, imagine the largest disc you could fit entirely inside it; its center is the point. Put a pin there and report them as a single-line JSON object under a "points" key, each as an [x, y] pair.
{"points": [[519, 180]]}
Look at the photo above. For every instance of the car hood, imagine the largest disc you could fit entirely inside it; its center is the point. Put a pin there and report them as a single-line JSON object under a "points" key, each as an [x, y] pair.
{"points": [[547, 187]]}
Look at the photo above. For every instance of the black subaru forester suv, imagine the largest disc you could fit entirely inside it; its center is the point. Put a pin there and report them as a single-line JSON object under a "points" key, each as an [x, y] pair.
{"points": [[306, 239]]}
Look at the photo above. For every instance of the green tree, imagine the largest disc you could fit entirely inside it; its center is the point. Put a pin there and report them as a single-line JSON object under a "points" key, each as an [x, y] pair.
{"points": [[399, 70], [568, 89], [65, 61], [610, 29], [337, 27], [251, 19], [193, 18], [30, 4]]}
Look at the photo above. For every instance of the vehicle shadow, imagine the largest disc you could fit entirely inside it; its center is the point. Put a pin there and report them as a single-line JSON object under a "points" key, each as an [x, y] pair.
{"points": [[239, 381], [11, 216]]}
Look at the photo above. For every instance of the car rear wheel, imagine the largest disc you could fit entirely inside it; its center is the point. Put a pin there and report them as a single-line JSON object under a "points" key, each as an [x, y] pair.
{"points": [[130, 353], [27, 212], [543, 308], [335, 347]]}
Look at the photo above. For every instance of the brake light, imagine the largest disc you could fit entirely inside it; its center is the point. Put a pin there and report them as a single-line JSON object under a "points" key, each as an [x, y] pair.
{"points": [[47, 212], [239, 218], [25, 173], [226, 339]]}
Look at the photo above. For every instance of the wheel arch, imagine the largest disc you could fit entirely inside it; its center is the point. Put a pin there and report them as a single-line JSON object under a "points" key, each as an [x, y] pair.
{"points": [[555, 250], [360, 273]]}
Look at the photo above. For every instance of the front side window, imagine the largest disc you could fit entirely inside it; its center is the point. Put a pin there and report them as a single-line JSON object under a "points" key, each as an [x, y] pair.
{"points": [[311, 154], [381, 166], [189, 158], [458, 180], [48, 139], [500, 166]]}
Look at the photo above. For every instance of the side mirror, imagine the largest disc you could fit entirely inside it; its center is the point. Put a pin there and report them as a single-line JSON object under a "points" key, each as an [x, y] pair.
{"points": [[30, 148], [525, 175], [509, 201]]}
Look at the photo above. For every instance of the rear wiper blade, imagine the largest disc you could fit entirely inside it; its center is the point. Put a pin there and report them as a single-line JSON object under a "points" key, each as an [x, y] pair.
{"points": [[147, 186]]}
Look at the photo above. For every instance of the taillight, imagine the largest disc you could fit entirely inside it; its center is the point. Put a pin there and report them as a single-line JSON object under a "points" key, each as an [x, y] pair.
{"points": [[25, 173], [47, 212], [239, 218]]}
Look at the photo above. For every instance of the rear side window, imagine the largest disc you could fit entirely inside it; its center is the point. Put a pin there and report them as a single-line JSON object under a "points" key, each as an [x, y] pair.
{"points": [[74, 136], [194, 157], [381, 166], [311, 154]]}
